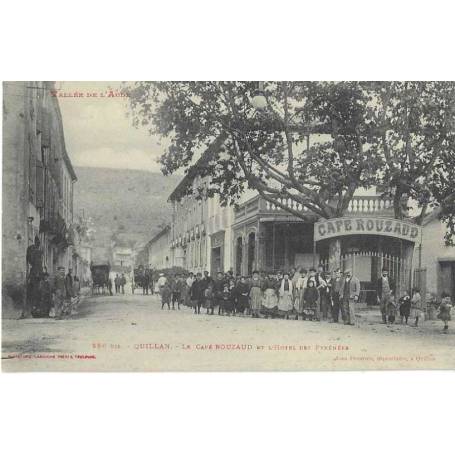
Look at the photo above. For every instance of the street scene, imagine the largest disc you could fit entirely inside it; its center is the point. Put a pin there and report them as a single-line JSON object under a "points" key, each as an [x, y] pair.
{"points": [[228, 226], [133, 333]]}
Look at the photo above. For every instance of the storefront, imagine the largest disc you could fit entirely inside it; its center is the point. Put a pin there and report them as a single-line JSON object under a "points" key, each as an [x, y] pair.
{"points": [[366, 245]]}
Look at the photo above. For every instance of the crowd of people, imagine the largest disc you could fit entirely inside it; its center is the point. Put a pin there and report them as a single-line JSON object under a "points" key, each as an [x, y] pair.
{"points": [[303, 294]]}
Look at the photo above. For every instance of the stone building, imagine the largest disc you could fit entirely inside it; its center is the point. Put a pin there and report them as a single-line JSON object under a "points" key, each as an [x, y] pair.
{"points": [[434, 260], [159, 250], [259, 235], [38, 180]]}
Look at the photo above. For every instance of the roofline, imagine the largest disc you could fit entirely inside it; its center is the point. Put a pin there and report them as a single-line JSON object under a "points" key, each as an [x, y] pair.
{"points": [[66, 157], [194, 170], [163, 231]]}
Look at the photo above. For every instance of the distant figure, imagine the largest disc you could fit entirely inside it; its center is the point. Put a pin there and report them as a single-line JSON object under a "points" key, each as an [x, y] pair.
{"points": [[166, 294], [416, 307], [117, 283], [405, 307], [445, 310], [59, 291], [123, 282], [109, 285], [162, 280]]}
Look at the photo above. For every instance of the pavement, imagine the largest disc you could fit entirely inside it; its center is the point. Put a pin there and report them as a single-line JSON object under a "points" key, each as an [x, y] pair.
{"points": [[132, 333]]}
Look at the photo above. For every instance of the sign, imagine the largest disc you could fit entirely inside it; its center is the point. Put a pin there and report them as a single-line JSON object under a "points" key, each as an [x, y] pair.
{"points": [[339, 227]]}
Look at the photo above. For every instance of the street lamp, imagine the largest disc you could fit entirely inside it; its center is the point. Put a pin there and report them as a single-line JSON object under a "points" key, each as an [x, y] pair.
{"points": [[259, 100]]}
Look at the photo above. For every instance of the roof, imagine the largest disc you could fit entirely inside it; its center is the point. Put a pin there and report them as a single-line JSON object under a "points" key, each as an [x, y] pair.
{"points": [[66, 158], [163, 231], [196, 169]]}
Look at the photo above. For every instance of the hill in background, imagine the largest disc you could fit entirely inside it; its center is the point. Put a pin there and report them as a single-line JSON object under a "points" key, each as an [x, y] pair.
{"points": [[130, 202]]}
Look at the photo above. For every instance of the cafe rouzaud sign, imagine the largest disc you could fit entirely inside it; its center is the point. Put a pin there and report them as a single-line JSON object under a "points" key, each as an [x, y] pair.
{"points": [[339, 227]]}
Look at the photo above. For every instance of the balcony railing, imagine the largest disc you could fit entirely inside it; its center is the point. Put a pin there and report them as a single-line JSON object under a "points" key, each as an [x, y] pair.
{"points": [[358, 205]]}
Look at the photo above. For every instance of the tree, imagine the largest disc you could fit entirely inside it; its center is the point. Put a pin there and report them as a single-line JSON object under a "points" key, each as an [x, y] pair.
{"points": [[315, 143]]}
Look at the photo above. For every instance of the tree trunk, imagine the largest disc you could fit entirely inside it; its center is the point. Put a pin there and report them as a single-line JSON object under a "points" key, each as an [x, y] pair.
{"points": [[334, 254]]}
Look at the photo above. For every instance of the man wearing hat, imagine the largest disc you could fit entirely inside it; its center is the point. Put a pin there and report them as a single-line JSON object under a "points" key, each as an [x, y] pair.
{"points": [[385, 291], [349, 292], [34, 257]]}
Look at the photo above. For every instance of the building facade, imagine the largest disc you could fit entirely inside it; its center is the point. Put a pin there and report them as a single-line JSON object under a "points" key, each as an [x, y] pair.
{"points": [[159, 250], [434, 260], [260, 235], [38, 180]]}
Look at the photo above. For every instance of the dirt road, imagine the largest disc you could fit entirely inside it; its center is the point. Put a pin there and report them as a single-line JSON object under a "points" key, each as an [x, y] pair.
{"points": [[132, 333]]}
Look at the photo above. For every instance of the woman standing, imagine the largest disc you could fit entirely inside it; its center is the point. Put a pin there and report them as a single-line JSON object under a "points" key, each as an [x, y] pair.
{"points": [[187, 290], [285, 304], [311, 301], [269, 306], [255, 294], [299, 289]]}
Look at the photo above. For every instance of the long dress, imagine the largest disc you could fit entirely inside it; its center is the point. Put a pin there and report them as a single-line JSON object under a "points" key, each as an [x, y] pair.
{"points": [[187, 292], [269, 305], [285, 303], [311, 302], [255, 296], [299, 290], [242, 297]]}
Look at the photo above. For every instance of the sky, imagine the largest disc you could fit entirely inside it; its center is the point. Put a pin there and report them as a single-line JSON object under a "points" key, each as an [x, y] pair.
{"points": [[98, 132]]}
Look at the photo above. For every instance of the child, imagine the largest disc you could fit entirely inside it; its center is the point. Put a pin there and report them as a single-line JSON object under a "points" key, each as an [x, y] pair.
{"points": [[405, 307], [208, 298], [311, 301], [242, 296], [166, 294], [416, 307], [227, 300], [445, 310], [391, 309]]}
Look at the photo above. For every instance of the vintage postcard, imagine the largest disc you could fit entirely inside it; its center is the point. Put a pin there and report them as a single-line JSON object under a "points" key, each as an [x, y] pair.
{"points": [[228, 226]]}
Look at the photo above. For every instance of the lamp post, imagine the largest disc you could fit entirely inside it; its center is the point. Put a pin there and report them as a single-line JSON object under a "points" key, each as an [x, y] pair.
{"points": [[259, 101]]}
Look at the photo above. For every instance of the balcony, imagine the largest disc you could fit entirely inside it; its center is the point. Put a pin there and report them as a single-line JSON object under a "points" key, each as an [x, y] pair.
{"points": [[359, 205]]}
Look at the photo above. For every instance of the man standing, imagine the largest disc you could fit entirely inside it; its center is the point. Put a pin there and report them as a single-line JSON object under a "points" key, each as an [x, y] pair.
{"points": [[337, 283], [385, 290], [123, 282], [218, 288], [145, 281], [34, 258], [117, 283], [350, 292]]}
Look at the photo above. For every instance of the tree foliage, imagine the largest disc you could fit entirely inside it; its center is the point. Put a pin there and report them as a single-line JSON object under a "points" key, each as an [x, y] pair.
{"points": [[315, 143]]}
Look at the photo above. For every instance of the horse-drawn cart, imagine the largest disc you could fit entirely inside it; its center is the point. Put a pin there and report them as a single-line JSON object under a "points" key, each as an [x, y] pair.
{"points": [[100, 278]]}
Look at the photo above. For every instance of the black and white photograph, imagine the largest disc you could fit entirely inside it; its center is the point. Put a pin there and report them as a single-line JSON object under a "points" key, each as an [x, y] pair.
{"points": [[228, 225]]}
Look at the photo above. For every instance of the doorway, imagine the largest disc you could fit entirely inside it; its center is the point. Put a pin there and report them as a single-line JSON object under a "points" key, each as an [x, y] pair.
{"points": [[216, 261]]}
